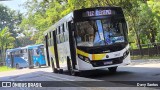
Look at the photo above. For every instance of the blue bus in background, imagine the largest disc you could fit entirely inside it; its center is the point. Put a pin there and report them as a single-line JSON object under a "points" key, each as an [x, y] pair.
{"points": [[29, 56], [16, 59], [36, 55]]}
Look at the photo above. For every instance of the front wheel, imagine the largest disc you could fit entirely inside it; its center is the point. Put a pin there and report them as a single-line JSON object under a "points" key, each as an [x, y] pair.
{"points": [[112, 69]]}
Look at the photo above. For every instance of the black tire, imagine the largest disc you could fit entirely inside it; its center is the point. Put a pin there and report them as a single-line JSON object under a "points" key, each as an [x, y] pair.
{"points": [[17, 66], [38, 65], [55, 70], [61, 71], [112, 69], [31, 67], [70, 68]]}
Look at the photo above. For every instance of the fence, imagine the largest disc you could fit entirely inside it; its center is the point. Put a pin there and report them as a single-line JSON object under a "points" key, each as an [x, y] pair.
{"points": [[147, 49]]}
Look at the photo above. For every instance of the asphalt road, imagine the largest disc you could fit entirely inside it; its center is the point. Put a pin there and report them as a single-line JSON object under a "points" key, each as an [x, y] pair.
{"points": [[137, 71]]}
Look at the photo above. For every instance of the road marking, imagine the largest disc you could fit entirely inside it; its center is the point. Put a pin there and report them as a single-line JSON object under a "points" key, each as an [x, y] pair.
{"points": [[51, 78], [68, 83], [58, 77]]}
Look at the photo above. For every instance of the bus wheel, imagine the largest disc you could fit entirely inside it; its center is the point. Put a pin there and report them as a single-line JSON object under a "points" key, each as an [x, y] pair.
{"points": [[61, 71], [38, 65], [70, 68], [112, 69], [55, 70], [17, 66], [53, 67], [31, 67]]}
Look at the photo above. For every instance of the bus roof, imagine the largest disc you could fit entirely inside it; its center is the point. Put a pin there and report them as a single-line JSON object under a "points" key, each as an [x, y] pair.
{"points": [[12, 50], [93, 8], [33, 46], [26, 47], [60, 22]]}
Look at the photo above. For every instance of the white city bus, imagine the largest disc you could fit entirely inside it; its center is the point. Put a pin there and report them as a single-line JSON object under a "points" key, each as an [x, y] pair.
{"points": [[88, 39]]}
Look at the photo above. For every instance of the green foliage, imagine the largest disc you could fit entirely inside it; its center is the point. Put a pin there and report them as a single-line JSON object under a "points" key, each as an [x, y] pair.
{"points": [[4, 68], [10, 19], [143, 16], [9, 27], [5, 38], [6, 41]]}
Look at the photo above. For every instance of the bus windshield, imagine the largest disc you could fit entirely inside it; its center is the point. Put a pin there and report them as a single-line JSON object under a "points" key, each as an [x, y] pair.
{"points": [[42, 50], [100, 32]]}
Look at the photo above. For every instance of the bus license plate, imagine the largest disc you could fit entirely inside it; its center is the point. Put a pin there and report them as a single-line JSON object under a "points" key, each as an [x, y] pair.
{"points": [[108, 62]]}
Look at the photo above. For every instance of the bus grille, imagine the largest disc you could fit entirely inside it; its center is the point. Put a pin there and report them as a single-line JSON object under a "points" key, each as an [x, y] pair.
{"points": [[101, 62]]}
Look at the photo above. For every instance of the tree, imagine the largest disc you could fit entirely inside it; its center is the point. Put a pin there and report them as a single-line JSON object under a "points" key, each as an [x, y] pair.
{"points": [[6, 41], [11, 19]]}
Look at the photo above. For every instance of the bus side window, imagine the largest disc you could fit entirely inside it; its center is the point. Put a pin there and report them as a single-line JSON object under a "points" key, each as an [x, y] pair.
{"points": [[72, 26], [35, 52], [57, 36], [52, 39], [62, 33], [48, 39], [66, 31]]}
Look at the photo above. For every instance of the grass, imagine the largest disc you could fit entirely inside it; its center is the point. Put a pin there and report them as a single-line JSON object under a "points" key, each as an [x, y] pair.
{"points": [[144, 57], [5, 68]]}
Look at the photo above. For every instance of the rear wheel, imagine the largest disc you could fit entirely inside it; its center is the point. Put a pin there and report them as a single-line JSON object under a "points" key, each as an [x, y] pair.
{"points": [[17, 66], [70, 68], [61, 71], [55, 70], [38, 64], [53, 67], [112, 69], [31, 67]]}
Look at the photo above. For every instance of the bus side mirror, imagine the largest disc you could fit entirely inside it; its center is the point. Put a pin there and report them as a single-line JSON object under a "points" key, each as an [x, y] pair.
{"points": [[127, 27]]}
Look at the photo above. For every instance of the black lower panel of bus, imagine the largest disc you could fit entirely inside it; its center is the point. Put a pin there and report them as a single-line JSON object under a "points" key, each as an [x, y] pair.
{"points": [[103, 49], [107, 62]]}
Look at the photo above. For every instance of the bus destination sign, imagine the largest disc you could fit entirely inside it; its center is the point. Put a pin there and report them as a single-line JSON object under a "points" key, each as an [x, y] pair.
{"points": [[97, 13]]}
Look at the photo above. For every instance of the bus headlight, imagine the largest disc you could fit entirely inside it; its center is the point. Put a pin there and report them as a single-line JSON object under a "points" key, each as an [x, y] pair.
{"points": [[86, 59], [125, 53], [80, 56]]}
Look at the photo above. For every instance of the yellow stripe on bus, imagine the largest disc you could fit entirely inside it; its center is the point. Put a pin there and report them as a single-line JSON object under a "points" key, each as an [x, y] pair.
{"points": [[98, 56], [51, 48], [82, 53]]}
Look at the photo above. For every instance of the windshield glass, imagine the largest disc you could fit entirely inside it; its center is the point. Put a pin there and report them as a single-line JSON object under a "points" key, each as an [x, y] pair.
{"points": [[42, 50], [100, 32]]}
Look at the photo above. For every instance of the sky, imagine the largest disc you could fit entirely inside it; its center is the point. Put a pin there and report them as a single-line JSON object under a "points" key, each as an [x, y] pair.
{"points": [[14, 4]]}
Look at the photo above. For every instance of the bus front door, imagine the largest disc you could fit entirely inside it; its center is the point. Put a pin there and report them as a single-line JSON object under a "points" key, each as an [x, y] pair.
{"points": [[47, 51], [30, 59], [12, 60]]}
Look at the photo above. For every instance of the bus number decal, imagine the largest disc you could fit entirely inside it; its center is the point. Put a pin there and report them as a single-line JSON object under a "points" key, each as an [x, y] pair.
{"points": [[90, 13]]}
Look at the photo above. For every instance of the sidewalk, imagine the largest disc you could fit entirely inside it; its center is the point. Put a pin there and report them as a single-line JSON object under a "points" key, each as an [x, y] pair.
{"points": [[144, 61]]}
